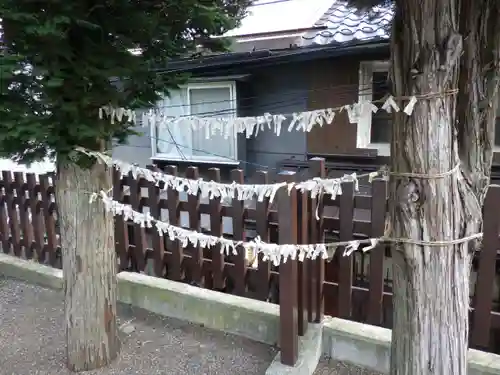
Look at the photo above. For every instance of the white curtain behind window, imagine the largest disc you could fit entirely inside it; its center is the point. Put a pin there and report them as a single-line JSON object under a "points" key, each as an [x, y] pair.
{"points": [[174, 106], [210, 102]]}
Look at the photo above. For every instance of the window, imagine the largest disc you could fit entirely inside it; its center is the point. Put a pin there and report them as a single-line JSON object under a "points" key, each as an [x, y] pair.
{"points": [[374, 131], [180, 142]]}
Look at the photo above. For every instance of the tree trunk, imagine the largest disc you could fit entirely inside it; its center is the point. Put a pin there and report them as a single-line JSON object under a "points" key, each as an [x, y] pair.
{"points": [[430, 283], [89, 267]]}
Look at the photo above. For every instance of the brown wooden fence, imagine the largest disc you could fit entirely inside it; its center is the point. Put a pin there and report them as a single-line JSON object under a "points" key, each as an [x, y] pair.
{"points": [[356, 287]]}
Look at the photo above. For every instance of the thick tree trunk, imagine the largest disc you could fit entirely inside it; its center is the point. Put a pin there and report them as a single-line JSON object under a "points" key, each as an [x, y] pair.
{"points": [[478, 97], [430, 283], [89, 267]]}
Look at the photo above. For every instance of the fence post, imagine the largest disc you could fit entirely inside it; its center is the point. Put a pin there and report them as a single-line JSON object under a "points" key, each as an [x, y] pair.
{"points": [[378, 214], [155, 211], [12, 212], [481, 327], [36, 216], [287, 227], [262, 226], [317, 235], [240, 263], [25, 230], [121, 227], [48, 212], [303, 268], [196, 252], [346, 218], [175, 270], [139, 254], [3, 222], [216, 230]]}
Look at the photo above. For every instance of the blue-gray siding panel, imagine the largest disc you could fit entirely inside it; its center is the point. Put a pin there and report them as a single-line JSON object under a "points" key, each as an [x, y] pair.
{"points": [[137, 150], [279, 89], [276, 89]]}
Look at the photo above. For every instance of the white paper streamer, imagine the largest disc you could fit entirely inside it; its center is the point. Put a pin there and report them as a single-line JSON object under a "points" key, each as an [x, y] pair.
{"points": [[117, 113], [410, 106], [240, 192], [271, 252], [299, 121]]}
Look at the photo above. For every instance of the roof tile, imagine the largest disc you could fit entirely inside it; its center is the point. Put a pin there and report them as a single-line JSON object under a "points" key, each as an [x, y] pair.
{"points": [[345, 23]]}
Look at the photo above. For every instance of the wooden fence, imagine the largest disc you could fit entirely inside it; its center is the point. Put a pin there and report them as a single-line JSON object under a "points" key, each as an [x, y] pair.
{"points": [[356, 287]]}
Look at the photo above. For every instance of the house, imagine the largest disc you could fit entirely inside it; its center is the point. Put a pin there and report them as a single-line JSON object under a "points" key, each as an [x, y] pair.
{"points": [[322, 54], [310, 59]]}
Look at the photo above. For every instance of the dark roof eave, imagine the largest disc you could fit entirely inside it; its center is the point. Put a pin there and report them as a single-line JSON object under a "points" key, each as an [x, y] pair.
{"points": [[272, 57]]}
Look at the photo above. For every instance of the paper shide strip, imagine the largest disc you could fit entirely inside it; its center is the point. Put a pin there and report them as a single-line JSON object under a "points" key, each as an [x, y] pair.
{"points": [[240, 192], [271, 252], [118, 114], [227, 126]]}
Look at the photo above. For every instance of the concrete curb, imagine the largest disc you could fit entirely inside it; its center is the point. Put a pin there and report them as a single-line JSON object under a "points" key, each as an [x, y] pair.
{"points": [[252, 319], [360, 344], [309, 355], [369, 347]]}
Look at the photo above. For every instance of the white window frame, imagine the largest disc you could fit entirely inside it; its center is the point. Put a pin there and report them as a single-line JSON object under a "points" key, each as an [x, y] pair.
{"points": [[496, 148], [231, 85], [363, 136]]}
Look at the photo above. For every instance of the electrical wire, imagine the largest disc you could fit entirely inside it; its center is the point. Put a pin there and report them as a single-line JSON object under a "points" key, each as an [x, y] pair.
{"points": [[277, 104], [270, 3], [287, 93]]}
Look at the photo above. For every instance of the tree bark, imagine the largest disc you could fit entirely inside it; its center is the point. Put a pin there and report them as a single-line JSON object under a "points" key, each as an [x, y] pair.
{"points": [[89, 267], [430, 283]]}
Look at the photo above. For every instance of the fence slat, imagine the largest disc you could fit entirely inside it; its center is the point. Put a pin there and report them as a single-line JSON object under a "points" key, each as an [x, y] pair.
{"points": [[303, 268], [378, 213], [287, 222], [50, 222], [480, 335], [4, 221], [174, 264], [262, 228], [122, 243], [26, 236], [12, 212], [138, 258], [36, 217], [194, 224], [155, 211], [240, 262], [317, 267], [346, 217], [216, 230]]}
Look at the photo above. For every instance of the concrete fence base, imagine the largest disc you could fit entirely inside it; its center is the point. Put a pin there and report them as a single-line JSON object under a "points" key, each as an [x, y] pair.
{"points": [[360, 344]]}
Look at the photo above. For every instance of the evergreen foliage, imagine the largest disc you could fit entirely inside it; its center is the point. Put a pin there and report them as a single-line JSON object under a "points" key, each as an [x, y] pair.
{"points": [[60, 61]]}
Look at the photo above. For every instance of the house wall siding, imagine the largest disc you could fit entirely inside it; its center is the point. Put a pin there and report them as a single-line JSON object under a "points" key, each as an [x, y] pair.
{"points": [[334, 83], [137, 150], [278, 89]]}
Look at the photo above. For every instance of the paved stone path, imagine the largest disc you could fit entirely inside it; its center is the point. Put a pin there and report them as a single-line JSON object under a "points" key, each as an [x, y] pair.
{"points": [[32, 342]]}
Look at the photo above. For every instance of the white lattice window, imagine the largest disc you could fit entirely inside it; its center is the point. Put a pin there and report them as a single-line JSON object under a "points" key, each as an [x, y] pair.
{"points": [[374, 131], [178, 142]]}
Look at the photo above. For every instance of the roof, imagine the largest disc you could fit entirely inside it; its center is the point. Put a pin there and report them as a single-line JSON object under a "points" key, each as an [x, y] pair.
{"points": [[277, 24], [343, 23], [273, 57], [277, 31]]}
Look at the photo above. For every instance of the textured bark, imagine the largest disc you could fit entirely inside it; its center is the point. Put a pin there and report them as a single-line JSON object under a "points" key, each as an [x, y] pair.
{"points": [[430, 284], [89, 267], [478, 98]]}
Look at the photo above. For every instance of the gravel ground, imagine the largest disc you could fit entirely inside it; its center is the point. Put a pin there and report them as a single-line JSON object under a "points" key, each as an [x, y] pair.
{"points": [[32, 342], [329, 367]]}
